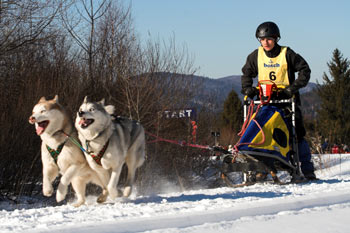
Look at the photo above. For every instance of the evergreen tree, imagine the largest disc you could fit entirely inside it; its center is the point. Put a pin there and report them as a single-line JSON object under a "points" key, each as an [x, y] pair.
{"points": [[334, 111], [232, 116]]}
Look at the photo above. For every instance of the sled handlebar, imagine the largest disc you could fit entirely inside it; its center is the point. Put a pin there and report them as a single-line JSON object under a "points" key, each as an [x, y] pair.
{"points": [[268, 93]]}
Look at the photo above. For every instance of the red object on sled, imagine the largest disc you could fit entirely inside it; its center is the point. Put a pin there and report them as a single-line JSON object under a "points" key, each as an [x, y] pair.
{"points": [[266, 88]]}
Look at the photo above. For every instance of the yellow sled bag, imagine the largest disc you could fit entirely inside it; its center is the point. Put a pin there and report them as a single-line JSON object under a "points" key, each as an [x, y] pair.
{"points": [[267, 134]]}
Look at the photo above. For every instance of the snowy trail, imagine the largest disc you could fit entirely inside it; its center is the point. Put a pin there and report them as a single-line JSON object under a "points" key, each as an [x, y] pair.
{"points": [[199, 218], [320, 206]]}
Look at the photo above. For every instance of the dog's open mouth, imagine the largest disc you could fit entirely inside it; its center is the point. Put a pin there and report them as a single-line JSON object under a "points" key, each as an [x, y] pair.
{"points": [[41, 127], [85, 122]]}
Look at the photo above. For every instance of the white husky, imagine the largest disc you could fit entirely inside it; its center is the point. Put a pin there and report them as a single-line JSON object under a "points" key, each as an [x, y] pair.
{"points": [[61, 155], [109, 143]]}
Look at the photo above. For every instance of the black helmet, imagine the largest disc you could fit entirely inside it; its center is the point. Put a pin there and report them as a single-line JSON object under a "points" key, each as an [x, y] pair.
{"points": [[268, 29]]}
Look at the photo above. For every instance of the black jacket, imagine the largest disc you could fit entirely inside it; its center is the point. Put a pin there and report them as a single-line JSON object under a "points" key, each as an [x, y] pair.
{"points": [[295, 64]]}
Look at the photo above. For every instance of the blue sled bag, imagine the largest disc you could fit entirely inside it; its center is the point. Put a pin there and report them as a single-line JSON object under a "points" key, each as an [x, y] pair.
{"points": [[272, 140]]}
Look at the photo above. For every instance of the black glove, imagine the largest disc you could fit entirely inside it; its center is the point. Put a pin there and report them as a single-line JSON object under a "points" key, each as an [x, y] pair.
{"points": [[251, 92], [289, 91]]}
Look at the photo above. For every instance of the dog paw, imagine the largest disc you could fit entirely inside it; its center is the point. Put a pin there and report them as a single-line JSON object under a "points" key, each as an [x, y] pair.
{"points": [[103, 197], [61, 192], [59, 197], [127, 191], [47, 191], [114, 193], [78, 203]]}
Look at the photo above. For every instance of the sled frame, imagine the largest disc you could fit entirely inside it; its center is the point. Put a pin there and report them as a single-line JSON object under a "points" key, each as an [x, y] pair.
{"points": [[253, 164]]}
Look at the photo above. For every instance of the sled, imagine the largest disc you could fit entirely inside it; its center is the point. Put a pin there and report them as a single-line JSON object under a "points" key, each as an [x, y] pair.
{"points": [[279, 149]]}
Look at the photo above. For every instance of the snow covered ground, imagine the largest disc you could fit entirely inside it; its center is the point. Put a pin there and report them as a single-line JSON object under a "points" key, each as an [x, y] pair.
{"points": [[321, 206]]}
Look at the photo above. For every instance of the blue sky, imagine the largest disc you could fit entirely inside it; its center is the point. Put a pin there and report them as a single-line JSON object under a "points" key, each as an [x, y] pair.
{"points": [[221, 33]]}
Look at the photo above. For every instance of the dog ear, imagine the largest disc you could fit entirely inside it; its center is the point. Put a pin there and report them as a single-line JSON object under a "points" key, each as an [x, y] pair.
{"points": [[42, 99], [102, 102], [110, 109], [85, 99], [56, 98]]}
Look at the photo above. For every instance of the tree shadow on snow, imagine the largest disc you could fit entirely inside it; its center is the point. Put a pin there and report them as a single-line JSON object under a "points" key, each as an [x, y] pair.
{"points": [[199, 197], [235, 194]]}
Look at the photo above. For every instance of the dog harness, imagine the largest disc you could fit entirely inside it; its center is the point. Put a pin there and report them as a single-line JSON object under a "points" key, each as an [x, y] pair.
{"points": [[99, 156], [55, 153]]}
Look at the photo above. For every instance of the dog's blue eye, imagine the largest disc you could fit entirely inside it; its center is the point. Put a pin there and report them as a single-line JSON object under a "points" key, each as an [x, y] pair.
{"points": [[42, 111]]}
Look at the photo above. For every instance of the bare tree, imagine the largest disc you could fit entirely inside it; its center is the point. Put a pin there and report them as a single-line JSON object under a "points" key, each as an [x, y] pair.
{"points": [[141, 81], [169, 71], [80, 18], [22, 22]]}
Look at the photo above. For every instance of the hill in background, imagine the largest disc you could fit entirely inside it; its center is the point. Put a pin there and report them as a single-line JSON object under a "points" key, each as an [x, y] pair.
{"points": [[215, 91]]}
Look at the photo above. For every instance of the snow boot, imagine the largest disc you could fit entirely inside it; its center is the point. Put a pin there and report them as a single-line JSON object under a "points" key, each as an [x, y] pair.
{"points": [[310, 176]]}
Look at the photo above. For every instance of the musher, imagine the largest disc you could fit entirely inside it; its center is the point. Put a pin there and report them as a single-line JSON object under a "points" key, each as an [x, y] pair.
{"points": [[279, 64]]}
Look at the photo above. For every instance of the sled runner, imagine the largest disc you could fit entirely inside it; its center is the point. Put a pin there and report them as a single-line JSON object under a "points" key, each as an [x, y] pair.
{"points": [[268, 142]]}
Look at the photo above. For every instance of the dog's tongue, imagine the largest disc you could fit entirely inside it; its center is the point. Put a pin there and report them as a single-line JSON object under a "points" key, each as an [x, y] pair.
{"points": [[39, 130], [82, 120]]}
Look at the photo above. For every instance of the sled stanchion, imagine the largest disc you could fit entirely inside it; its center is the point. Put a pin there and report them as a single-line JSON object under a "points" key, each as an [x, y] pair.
{"points": [[244, 112], [295, 144]]}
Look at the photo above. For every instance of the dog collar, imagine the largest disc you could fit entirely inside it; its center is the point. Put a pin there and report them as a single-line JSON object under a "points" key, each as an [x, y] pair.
{"points": [[99, 156], [55, 153]]}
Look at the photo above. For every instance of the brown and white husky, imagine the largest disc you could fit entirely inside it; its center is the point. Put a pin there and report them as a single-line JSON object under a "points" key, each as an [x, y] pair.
{"points": [[60, 155]]}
